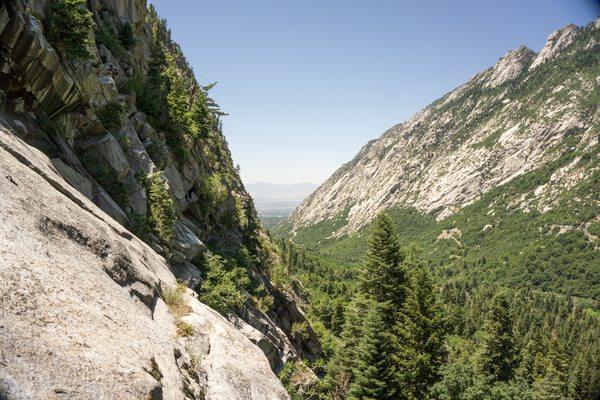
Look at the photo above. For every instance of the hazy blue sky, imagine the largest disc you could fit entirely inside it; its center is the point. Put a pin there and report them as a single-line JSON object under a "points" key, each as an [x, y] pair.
{"points": [[307, 83]]}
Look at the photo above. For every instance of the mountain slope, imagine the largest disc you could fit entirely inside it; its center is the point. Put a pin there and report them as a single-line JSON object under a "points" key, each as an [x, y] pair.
{"points": [[132, 149], [506, 121]]}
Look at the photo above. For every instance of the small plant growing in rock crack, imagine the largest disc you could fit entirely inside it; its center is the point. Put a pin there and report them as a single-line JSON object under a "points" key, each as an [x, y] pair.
{"points": [[184, 329], [67, 27], [173, 298], [196, 361], [264, 304]]}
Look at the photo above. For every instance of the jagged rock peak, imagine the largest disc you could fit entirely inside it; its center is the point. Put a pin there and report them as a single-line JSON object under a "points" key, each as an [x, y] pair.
{"points": [[509, 66], [558, 41], [471, 140]]}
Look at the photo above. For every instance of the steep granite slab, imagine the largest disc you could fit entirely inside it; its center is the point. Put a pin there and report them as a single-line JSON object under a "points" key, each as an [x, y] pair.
{"points": [[81, 309]]}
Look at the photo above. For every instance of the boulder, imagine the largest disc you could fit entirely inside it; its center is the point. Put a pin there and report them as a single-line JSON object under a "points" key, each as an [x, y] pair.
{"points": [[187, 273], [103, 91], [136, 153], [138, 201], [185, 240], [175, 185], [110, 150], [148, 132]]}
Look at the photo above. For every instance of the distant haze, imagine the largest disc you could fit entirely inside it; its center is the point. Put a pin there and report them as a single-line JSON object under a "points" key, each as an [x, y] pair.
{"points": [[272, 191], [274, 202]]}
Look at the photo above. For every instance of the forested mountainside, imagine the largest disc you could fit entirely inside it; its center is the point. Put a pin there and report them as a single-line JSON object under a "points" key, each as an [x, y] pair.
{"points": [[481, 280], [103, 120]]}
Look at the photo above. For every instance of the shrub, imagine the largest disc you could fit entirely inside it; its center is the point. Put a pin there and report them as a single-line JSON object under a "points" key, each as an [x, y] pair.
{"points": [[111, 116], [135, 84], [173, 298], [53, 127], [212, 192], [107, 37], [126, 36], [594, 228], [184, 329], [224, 285], [67, 27], [265, 303], [300, 330], [162, 211]]}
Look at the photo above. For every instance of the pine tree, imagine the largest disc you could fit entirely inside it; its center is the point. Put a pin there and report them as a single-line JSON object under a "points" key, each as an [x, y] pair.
{"points": [[497, 358], [531, 359], [342, 366], [578, 382], [384, 277], [420, 331], [374, 372], [553, 385]]}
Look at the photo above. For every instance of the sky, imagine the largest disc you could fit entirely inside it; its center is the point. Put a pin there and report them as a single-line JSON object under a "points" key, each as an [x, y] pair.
{"points": [[307, 83]]}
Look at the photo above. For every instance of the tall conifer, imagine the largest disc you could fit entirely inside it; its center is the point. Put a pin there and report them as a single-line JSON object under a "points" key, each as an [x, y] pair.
{"points": [[420, 334], [384, 277], [497, 358], [374, 372]]}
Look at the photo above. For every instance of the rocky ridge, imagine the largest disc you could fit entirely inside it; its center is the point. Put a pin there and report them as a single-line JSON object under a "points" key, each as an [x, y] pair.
{"points": [[508, 120], [63, 107]]}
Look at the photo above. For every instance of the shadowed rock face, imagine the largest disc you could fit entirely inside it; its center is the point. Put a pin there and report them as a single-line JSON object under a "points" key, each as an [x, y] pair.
{"points": [[82, 312], [506, 121]]}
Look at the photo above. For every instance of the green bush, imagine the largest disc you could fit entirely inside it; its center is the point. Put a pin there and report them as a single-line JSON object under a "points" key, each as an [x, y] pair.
{"points": [[225, 283], [135, 84], [111, 116], [162, 211], [184, 329], [107, 37], [212, 192], [594, 228], [126, 36], [67, 27]]}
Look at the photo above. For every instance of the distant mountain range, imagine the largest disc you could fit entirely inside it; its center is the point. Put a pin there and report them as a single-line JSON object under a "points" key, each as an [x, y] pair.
{"points": [[273, 191], [274, 202]]}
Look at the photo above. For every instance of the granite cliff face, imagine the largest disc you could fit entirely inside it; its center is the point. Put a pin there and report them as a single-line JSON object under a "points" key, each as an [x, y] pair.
{"points": [[83, 314], [88, 173], [517, 116]]}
